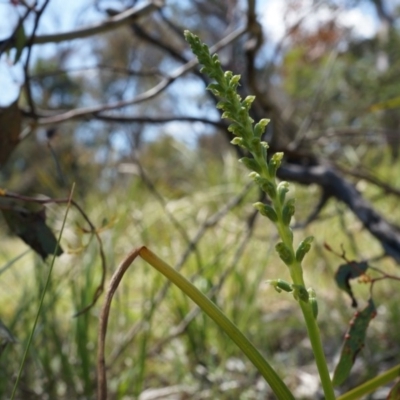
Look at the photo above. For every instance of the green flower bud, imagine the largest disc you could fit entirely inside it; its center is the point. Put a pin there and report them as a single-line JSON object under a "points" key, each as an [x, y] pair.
{"points": [[283, 188], [243, 114], [235, 129], [251, 164], [215, 89], [313, 302], [304, 248], [228, 75], [288, 211], [284, 253], [259, 128], [222, 105], [300, 293], [253, 175], [274, 164], [205, 70], [247, 102], [266, 210], [266, 186], [214, 57], [237, 141], [257, 149], [280, 285], [234, 81], [227, 115]]}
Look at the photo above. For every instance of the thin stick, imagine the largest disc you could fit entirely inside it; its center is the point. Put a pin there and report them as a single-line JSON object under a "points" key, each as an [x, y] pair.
{"points": [[104, 314]]}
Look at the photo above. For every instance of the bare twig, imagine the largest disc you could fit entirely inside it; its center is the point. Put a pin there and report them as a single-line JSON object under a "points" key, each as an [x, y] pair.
{"points": [[129, 119], [104, 314], [102, 67], [29, 45], [112, 23], [149, 94]]}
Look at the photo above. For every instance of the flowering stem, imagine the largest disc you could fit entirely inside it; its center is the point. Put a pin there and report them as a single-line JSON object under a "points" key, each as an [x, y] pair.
{"points": [[280, 210]]}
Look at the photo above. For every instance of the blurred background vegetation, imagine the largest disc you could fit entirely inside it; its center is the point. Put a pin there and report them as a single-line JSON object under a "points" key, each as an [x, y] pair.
{"points": [[140, 137]]}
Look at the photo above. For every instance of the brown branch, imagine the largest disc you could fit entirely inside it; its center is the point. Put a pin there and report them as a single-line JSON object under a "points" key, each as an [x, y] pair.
{"points": [[149, 94], [128, 119], [124, 119], [150, 72], [110, 24], [29, 45]]}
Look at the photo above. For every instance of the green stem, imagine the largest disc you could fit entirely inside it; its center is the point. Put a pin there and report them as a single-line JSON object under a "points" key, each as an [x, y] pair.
{"points": [[278, 386], [372, 384], [316, 344], [296, 273]]}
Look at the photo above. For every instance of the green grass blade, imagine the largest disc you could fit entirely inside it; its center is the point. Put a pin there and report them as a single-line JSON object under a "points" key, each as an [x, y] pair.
{"points": [[30, 339], [372, 385], [278, 386]]}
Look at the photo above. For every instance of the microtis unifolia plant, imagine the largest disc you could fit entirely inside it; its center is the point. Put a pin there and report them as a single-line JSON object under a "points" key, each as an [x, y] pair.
{"points": [[281, 209]]}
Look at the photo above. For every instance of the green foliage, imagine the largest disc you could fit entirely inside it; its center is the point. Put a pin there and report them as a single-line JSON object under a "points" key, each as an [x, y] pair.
{"points": [[354, 342]]}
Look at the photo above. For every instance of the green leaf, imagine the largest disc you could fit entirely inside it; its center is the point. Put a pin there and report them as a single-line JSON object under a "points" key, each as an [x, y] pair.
{"points": [[349, 271], [31, 228], [354, 342]]}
